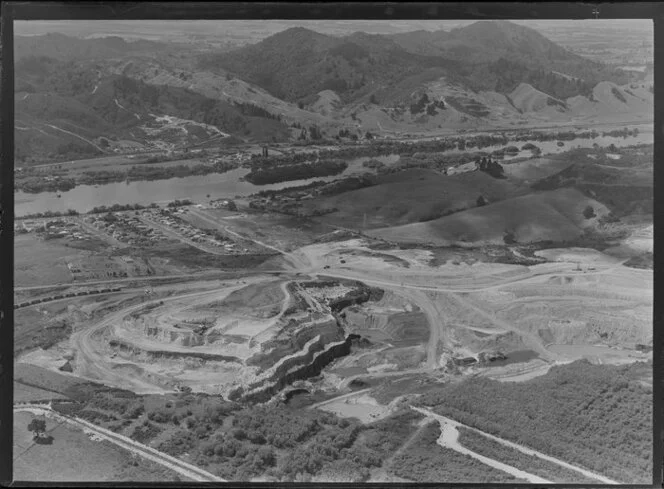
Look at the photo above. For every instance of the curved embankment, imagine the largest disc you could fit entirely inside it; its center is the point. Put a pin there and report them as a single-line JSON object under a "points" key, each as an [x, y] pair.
{"points": [[170, 354], [191, 471], [309, 364]]}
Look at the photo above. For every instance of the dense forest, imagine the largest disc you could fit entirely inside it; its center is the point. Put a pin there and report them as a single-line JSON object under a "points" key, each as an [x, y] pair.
{"points": [[598, 417], [264, 175], [239, 442], [426, 461], [532, 464]]}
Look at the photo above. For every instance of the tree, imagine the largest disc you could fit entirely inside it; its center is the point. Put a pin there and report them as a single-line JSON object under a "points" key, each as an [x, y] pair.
{"points": [[481, 201], [589, 212], [373, 100], [368, 135], [509, 238], [232, 206], [37, 426]]}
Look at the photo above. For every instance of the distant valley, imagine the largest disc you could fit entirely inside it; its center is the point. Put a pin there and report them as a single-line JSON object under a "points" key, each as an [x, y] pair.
{"points": [[86, 97]]}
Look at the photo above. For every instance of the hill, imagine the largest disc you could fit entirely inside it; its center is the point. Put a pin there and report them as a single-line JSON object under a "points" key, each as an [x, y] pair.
{"points": [[623, 191], [220, 86], [487, 74], [62, 47], [394, 200], [556, 216], [84, 102], [298, 62], [422, 42], [525, 98]]}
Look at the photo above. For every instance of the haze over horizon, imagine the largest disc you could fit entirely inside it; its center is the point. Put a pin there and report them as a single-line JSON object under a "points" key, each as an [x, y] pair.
{"points": [[156, 29]]}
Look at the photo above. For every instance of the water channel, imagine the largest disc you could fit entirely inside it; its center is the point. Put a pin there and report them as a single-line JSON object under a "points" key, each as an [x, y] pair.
{"points": [[196, 188]]}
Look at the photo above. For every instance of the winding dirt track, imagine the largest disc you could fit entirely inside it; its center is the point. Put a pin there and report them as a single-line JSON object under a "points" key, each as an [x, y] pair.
{"points": [[449, 438], [450, 441], [94, 365]]}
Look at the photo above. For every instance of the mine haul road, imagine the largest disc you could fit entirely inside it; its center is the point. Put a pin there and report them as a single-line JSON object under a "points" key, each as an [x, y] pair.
{"points": [[93, 365], [424, 296], [183, 468]]}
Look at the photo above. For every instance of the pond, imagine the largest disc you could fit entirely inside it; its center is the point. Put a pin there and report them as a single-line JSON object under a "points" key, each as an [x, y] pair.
{"points": [[518, 356]]}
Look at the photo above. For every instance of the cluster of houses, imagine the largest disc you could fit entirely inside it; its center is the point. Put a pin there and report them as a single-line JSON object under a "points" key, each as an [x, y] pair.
{"points": [[52, 229], [187, 230], [128, 229]]}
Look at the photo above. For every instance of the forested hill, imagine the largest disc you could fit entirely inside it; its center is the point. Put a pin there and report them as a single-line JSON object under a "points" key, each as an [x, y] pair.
{"points": [[488, 55], [297, 63], [60, 46]]}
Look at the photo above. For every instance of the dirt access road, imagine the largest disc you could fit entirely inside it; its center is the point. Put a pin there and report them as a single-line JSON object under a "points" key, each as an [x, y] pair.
{"points": [[190, 471], [93, 364], [183, 239], [294, 261], [450, 435]]}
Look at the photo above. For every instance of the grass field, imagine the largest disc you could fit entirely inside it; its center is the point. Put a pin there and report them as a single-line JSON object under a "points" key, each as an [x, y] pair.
{"points": [[534, 169], [33, 328], [555, 216], [394, 200], [74, 456], [43, 379], [28, 393], [39, 262]]}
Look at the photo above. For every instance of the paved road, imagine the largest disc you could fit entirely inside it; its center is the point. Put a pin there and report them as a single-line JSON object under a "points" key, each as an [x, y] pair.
{"points": [[172, 463], [528, 451]]}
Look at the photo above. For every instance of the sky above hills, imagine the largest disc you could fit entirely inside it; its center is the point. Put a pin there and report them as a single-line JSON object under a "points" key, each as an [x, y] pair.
{"points": [[253, 30]]}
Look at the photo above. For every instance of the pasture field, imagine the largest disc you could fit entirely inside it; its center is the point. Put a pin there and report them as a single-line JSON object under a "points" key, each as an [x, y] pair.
{"points": [[75, 457], [38, 262], [552, 216]]}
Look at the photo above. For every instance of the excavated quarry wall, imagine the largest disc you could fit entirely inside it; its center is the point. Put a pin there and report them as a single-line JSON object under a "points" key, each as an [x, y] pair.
{"points": [[169, 354], [317, 361], [181, 337]]}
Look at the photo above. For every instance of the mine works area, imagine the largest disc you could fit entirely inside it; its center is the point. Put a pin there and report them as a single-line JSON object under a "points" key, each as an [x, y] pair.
{"points": [[347, 328], [302, 256]]}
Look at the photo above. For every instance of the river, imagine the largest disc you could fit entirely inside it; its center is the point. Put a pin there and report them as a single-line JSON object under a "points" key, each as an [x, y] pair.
{"points": [[219, 185], [82, 198]]}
